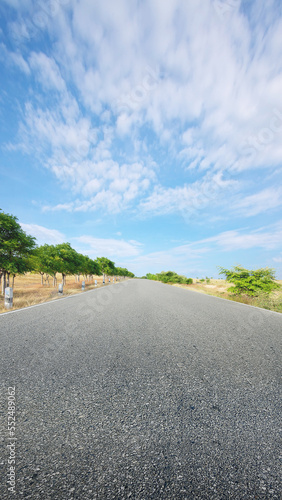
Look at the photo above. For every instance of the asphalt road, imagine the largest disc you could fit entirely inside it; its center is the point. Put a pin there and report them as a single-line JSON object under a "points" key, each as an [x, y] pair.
{"points": [[142, 391]]}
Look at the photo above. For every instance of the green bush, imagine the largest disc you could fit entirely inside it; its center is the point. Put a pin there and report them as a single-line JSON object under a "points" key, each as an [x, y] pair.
{"points": [[189, 281], [168, 277], [250, 282], [150, 276]]}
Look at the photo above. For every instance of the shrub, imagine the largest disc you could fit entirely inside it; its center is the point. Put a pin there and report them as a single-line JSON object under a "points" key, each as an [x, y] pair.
{"points": [[189, 281], [250, 282]]}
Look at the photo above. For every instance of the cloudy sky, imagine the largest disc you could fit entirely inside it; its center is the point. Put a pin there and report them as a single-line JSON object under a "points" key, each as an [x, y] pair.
{"points": [[147, 131]]}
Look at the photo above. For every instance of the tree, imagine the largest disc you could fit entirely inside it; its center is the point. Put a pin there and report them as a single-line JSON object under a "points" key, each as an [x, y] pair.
{"points": [[62, 258], [106, 266], [122, 271], [15, 248], [35, 265], [49, 261], [95, 268], [250, 282], [87, 266], [68, 260]]}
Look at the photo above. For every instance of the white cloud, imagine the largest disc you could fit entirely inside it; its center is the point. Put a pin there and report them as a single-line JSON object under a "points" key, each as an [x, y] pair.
{"points": [[207, 86], [261, 202], [43, 235], [266, 238], [110, 247], [47, 71], [15, 58], [187, 198], [20, 62], [104, 184], [68, 207]]}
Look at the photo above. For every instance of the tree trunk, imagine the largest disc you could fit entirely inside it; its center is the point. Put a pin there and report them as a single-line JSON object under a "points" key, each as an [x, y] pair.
{"points": [[3, 282], [54, 280], [63, 278], [8, 279], [13, 281], [42, 274]]}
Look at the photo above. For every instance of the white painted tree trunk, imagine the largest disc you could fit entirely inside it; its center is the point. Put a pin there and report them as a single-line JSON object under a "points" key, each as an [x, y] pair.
{"points": [[3, 282]]}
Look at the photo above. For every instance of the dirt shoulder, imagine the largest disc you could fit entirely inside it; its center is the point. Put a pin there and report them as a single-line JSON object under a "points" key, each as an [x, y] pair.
{"points": [[28, 290], [218, 288]]}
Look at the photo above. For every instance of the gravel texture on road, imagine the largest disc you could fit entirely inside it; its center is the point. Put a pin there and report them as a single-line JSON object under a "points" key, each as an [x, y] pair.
{"points": [[145, 391]]}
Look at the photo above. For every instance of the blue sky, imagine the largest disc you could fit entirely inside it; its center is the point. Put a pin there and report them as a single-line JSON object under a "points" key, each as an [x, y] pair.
{"points": [[145, 131]]}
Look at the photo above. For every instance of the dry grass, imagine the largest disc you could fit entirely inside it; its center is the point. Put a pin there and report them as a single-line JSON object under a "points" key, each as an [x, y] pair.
{"points": [[28, 290], [218, 288]]}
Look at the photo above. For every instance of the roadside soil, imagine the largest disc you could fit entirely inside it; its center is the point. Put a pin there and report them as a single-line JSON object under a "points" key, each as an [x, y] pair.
{"points": [[28, 290]]}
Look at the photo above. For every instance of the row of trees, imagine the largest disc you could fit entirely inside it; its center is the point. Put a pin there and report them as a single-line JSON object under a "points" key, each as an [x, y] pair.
{"points": [[20, 254], [168, 277]]}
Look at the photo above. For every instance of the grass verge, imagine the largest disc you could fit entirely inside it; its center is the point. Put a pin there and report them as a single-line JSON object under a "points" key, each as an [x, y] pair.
{"points": [[218, 288]]}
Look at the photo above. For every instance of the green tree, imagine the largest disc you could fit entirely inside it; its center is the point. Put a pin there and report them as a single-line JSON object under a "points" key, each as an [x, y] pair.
{"points": [[88, 267], [95, 268], [35, 265], [250, 282], [15, 248], [106, 266], [68, 260], [122, 271], [49, 260]]}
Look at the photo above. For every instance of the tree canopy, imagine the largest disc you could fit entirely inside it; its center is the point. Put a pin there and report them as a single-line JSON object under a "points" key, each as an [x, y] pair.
{"points": [[15, 246], [106, 265]]}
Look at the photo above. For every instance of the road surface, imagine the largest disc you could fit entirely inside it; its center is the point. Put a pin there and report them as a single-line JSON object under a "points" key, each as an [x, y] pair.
{"points": [[143, 391]]}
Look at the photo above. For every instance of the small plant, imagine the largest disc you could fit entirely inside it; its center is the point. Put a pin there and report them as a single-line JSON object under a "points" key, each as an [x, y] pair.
{"points": [[250, 282], [189, 281]]}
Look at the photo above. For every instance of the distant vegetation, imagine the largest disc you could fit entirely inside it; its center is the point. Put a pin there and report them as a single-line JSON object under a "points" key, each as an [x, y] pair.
{"points": [[168, 277], [19, 254]]}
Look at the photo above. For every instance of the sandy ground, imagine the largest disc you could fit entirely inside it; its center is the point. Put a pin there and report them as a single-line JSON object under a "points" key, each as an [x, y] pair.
{"points": [[28, 290]]}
